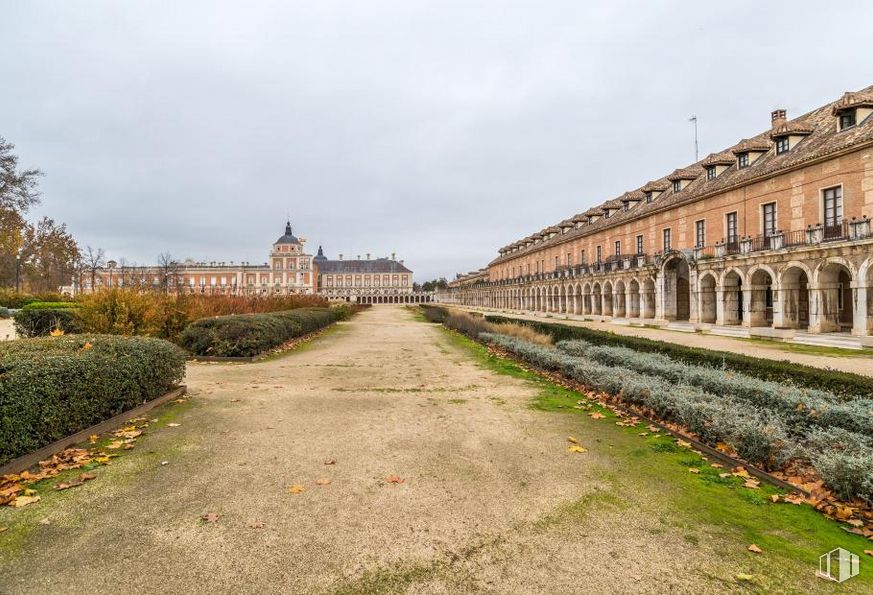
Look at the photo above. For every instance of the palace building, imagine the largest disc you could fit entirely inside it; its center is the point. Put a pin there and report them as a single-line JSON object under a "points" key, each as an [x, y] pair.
{"points": [[289, 270], [769, 237]]}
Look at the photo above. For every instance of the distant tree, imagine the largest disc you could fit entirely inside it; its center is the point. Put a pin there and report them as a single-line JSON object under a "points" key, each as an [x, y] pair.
{"points": [[168, 271], [91, 261], [18, 188], [50, 254], [435, 285]]}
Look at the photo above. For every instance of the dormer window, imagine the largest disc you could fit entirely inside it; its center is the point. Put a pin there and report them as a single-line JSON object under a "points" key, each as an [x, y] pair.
{"points": [[742, 160], [782, 145], [677, 185], [847, 119], [606, 213], [711, 172]]}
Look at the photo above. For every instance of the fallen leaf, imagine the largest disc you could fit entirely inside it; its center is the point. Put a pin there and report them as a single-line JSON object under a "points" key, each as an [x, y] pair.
{"points": [[751, 484], [257, 525], [295, 489], [694, 470], [596, 415], [745, 577], [322, 481], [394, 479], [774, 498], [24, 501], [235, 400], [868, 552], [571, 439], [86, 346], [723, 475], [93, 438], [173, 425], [754, 548], [4, 529], [210, 517], [716, 465], [843, 513], [856, 522], [66, 486], [644, 433], [576, 448], [330, 462], [115, 444], [45, 522], [56, 333], [87, 476], [683, 443], [741, 472]]}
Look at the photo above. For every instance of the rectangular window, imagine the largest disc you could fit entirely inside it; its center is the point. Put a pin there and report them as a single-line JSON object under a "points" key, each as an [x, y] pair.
{"points": [[700, 233], [677, 185], [599, 254], [710, 172], [582, 257], [618, 247], [743, 160], [769, 218], [557, 264], [781, 145], [569, 258], [847, 119], [668, 236], [648, 197], [639, 245], [833, 207], [731, 227]]}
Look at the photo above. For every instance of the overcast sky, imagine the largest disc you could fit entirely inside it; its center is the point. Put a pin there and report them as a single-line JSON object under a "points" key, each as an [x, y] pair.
{"points": [[438, 130]]}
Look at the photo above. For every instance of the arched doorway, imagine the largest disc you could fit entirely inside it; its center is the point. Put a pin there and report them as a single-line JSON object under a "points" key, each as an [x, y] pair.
{"points": [[607, 299], [634, 295], [761, 303], [677, 290], [596, 300], [836, 299], [618, 301], [586, 299], [647, 299]]}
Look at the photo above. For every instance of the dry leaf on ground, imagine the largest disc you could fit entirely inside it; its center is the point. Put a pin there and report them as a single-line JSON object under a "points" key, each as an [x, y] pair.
{"points": [[24, 501], [173, 425], [296, 489], [596, 415], [330, 462], [2, 529], [745, 577], [571, 439], [754, 548], [45, 522], [394, 479], [210, 517], [576, 448], [93, 438], [868, 552], [257, 525], [322, 481], [694, 470]]}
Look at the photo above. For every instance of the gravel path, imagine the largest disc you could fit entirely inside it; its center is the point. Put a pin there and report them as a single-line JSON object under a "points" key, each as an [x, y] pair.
{"points": [[7, 329], [490, 500]]}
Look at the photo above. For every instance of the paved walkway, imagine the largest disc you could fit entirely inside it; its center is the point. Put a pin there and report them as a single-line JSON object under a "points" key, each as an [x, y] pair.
{"points": [[490, 500], [7, 329], [847, 360]]}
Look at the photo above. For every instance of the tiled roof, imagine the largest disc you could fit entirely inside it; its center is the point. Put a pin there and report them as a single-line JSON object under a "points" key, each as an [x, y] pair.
{"points": [[852, 99], [723, 158], [686, 173], [823, 140], [379, 265], [791, 128]]}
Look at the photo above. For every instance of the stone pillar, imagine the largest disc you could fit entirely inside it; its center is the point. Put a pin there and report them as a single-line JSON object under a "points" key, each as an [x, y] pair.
{"points": [[824, 313], [862, 323], [661, 289]]}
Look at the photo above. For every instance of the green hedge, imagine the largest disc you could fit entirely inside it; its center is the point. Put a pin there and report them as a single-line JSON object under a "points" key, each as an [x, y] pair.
{"points": [[39, 322], [49, 305], [52, 387], [10, 298], [840, 383], [247, 335]]}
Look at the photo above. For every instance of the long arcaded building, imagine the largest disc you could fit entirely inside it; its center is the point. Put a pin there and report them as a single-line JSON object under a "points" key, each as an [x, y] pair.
{"points": [[769, 237]]}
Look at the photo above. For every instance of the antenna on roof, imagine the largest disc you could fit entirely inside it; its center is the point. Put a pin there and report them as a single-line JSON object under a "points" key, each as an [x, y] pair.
{"points": [[696, 152]]}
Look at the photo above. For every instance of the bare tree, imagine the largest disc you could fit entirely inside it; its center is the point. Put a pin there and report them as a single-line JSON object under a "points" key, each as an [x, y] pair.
{"points": [[92, 261], [18, 189], [168, 271]]}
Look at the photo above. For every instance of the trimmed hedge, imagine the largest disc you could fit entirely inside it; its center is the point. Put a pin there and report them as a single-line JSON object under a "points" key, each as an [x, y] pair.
{"points": [[39, 322], [843, 384], [247, 335], [53, 387], [49, 305]]}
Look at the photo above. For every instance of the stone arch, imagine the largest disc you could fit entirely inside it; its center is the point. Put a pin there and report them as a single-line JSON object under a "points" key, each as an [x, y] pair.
{"points": [[762, 280], [633, 294], [586, 298], [732, 296], [647, 298], [607, 298], [619, 299], [706, 296], [676, 288], [833, 308], [597, 299], [577, 298]]}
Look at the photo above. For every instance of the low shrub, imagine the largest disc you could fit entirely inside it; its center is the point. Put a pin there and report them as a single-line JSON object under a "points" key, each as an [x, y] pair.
{"points": [[4, 312], [434, 313], [52, 387], [472, 325], [9, 298], [842, 384], [247, 335], [49, 305], [800, 406], [39, 322], [844, 461]]}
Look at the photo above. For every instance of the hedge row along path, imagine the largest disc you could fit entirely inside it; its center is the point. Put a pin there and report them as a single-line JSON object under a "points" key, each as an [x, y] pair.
{"points": [[846, 360], [445, 479]]}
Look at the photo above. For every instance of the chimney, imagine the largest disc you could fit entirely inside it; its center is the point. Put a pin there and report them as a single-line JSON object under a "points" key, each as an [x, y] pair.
{"points": [[393, 256], [341, 256], [778, 118], [368, 256], [359, 257]]}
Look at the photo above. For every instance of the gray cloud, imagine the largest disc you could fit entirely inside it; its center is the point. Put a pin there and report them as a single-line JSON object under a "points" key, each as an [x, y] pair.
{"points": [[439, 130]]}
